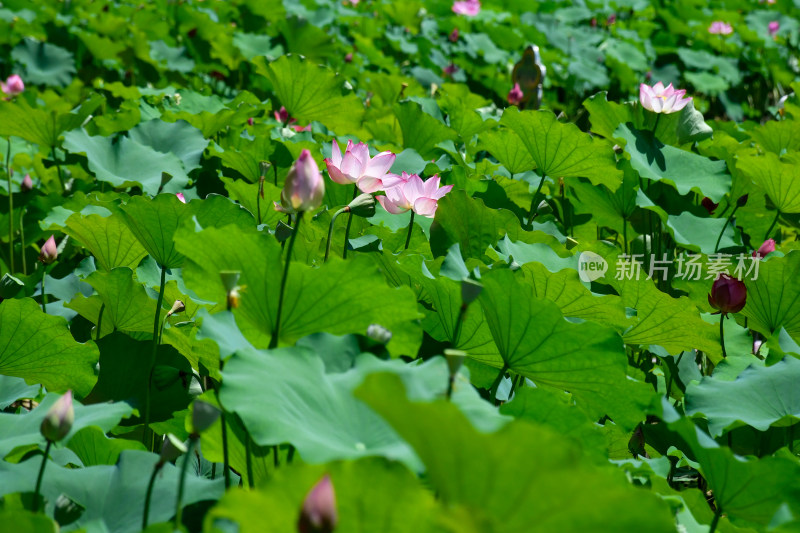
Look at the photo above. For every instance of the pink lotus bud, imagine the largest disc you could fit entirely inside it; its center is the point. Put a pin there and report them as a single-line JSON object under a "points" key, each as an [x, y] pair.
{"points": [[773, 27], [728, 295], [250, 121], [453, 35], [757, 345], [449, 70], [318, 514], [348, 58], [181, 197], [27, 183], [282, 115], [515, 95], [304, 187], [13, 85], [58, 420], [49, 251], [612, 18], [767, 247]]}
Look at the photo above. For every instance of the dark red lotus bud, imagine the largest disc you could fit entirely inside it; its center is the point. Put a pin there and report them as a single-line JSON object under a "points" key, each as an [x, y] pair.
{"points": [[709, 204], [453, 35], [728, 295], [250, 121], [742, 200]]}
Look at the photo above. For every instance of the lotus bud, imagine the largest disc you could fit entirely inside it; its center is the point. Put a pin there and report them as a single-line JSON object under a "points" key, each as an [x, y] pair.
{"points": [[455, 358], [304, 187], [171, 449], [363, 205], [27, 183], [764, 249], [470, 290], [742, 200], [58, 420], [177, 307], [49, 251], [318, 514], [13, 85], [203, 416], [728, 295], [181, 197], [348, 57], [378, 333], [453, 35], [250, 121]]}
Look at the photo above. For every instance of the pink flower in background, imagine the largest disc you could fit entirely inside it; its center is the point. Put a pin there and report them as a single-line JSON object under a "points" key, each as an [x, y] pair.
{"points": [[318, 514], [250, 121], [612, 18], [453, 35], [469, 8], [49, 251], [720, 27], [348, 57], [304, 186], [13, 85], [515, 95], [27, 183], [356, 166], [282, 116], [410, 192], [660, 99], [764, 249], [773, 27], [449, 70], [181, 197]]}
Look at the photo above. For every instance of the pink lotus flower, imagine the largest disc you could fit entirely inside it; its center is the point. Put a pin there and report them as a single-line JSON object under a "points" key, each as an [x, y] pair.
{"points": [[773, 27], [719, 27], [58, 420], [282, 116], [181, 197], [453, 37], [660, 99], [49, 251], [13, 85], [27, 183], [515, 95], [318, 514], [304, 186], [469, 8], [764, 249], [356, 166], [406, 192]]}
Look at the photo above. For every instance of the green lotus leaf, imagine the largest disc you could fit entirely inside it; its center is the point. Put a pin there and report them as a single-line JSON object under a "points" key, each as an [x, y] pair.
{"points": [[44, 63], [421, 131], [154, 222], [776, 177], [508, 148], [108, 239], [40, 349], [773, 298]]}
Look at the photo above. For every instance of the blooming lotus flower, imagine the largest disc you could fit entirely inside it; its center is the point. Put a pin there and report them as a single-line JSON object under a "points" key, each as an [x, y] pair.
{"points": [[660, 99], [27, 183], [49, 251], [58, 420], [318, 514], [719, 27], [728, 295], [515, 95], [304, 187], [410, 192], [13, 85], [773, 27], [469, 8], [356, 166], [767, 247]]}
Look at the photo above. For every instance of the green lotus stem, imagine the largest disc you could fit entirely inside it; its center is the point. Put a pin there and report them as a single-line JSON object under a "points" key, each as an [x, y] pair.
{"points": [[534, 203], [10, 210], [41, 475], [450, 382], [249, 456], [225, 459], [148, 496], [410, 229], [496, 384], [182, 479], [655, 126], [772, 226], [347, 229], [273, 342], [722, 335], [725, 226], [625, 235], [58, 167], [259, 191], [514, 385], [715, 521], [146, 437], [330, 231], [462, 314], [100, 321], [22, 242], [44, 294]]}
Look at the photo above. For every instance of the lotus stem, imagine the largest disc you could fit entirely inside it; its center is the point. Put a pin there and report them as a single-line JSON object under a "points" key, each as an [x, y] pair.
{"points": [[44, 294], [330, 231], [181, 481], [534, 201], [41, 475], [249, 455], [146, 436], [225, 458], [410, 229], [715, 521], [772, 226], [347, 229], [722, 335], [496, 384], [725, 226], [100, 321], [58, 167], [149, 494], [22, 242], [273, 343], [10, 210]]}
